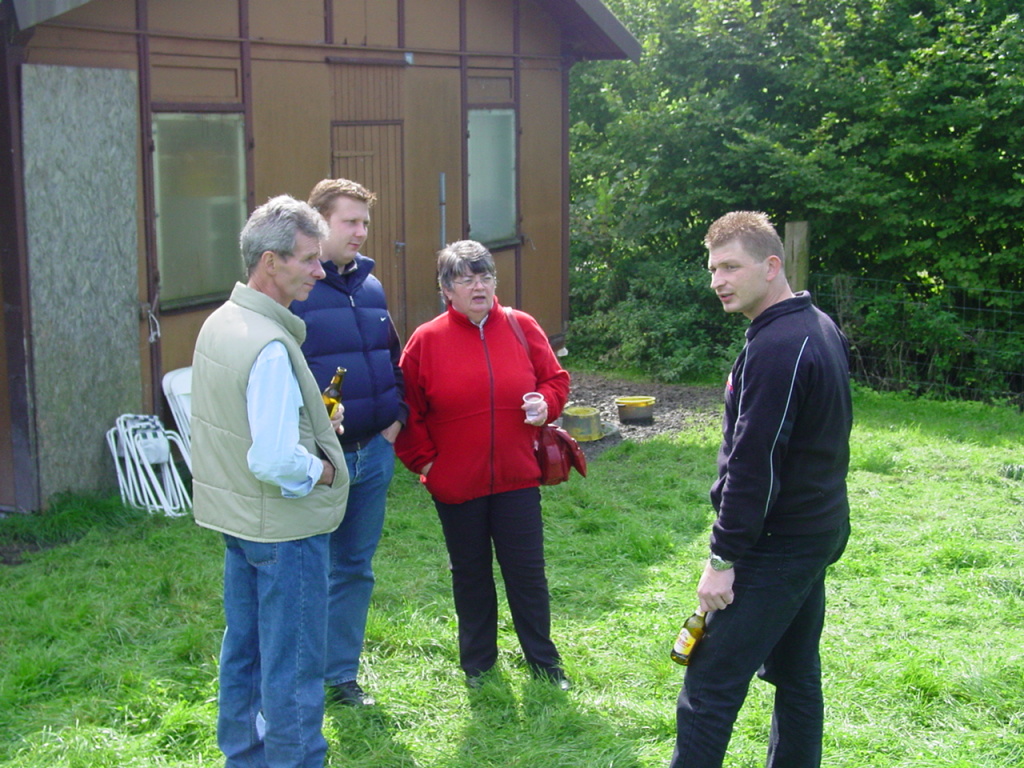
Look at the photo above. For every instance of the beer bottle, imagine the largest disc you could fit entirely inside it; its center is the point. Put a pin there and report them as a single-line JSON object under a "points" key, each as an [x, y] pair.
{"points": [[689, 636], [332, 392]]}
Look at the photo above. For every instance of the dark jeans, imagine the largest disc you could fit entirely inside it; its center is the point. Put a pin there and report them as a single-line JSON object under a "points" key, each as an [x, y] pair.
{"points": [[512, 521], [352, 547], [772, 629]]}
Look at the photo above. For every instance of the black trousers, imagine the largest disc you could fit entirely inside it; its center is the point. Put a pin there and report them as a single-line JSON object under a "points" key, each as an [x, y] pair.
{"points": [[772, 629], [512, 522]]}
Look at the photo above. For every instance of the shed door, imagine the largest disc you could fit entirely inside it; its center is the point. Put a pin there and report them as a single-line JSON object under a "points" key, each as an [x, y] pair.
{"points": [[372, 155]]}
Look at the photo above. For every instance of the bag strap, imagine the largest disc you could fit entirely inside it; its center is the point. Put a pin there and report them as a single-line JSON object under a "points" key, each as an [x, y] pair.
{"points": [[517, 329]]}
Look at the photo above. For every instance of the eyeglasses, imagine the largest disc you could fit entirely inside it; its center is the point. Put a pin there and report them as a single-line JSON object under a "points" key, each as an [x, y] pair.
{"points": [[485, 280]]}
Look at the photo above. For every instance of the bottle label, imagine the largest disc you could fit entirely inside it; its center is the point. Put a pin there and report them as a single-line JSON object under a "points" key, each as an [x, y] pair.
{"points": [[684, 643]]}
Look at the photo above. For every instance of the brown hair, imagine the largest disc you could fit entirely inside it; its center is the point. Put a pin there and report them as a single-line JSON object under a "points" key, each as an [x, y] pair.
{"points": [[324, 193], [753, 230]]}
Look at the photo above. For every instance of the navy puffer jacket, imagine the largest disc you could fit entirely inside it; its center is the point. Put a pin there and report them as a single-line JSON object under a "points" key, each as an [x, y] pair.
{"points": [[348, 324]]}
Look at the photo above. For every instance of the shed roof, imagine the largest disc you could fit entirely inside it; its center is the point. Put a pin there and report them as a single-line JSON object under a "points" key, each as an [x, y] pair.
{"points": [[32, 12], [593, 30]]}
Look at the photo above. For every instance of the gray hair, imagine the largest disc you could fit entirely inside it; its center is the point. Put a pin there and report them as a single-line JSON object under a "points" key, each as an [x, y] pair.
{"points": [[273, 227], [456, 258]]}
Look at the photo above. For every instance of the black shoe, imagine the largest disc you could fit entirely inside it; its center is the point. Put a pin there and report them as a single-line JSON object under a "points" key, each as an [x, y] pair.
{"points": [[476, 680], [350, 694], [555, 676]]}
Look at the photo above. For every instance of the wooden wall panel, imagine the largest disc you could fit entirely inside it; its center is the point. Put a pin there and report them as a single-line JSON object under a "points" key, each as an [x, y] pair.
{"points": [[432, 24], [540, 169], [82, 48], [214, 84], [100, 13], [367, 93], [539, 35], [433, 130], [291, 126], [366, 22], [178, 334], [295, 20], [195, 71], [202, 17], [490, 87], [490, 26], [367, 146], [372, 154], [505, 264]]}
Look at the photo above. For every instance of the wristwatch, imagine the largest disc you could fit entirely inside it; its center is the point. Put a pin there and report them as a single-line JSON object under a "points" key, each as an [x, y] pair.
{"points": [[718, 563]]}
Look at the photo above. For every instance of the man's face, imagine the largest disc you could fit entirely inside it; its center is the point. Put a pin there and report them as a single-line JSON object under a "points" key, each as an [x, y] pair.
{"points": [[293, 278], [740, 281], [349, 221]]}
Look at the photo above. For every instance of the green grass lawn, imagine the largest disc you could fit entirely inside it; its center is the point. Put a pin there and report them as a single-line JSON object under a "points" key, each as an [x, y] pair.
{"points": [[109, 641]]}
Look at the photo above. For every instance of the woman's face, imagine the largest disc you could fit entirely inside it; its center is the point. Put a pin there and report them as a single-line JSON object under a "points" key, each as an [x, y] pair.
{"points": [[472, 295]]}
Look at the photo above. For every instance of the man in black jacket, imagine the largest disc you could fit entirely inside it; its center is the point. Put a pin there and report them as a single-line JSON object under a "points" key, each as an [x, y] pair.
{"points": [[783, 514]]}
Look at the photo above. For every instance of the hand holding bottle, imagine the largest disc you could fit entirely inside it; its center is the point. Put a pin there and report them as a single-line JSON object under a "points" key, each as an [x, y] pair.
{"points": [[332, 393]]}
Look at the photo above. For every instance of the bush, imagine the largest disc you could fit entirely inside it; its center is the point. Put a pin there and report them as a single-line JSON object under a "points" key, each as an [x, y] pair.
{"points": [[660, 319], [926, 338]]}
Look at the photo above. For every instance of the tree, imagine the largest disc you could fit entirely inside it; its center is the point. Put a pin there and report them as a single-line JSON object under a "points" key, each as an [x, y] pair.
{"points": [[894, 126]]}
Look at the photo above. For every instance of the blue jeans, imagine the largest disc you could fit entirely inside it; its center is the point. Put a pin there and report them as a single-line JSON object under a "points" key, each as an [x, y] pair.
{"points": [[272, 655], [772, 629], [513, 522], [352, 547]]}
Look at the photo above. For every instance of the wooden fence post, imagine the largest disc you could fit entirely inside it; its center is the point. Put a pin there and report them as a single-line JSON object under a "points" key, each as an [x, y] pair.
{"points": [[797, 255]]}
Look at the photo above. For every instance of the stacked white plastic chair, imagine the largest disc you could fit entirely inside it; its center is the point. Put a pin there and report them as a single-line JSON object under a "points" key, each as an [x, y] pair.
{"points": [[146, 473], [178, 391]]}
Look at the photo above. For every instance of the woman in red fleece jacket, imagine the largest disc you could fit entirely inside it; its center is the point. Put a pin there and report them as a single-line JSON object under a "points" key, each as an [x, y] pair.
{"points": [[468, 436]]}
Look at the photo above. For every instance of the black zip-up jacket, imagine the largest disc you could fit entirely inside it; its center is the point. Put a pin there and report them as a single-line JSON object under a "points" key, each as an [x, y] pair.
{"points": [[786, 431]]}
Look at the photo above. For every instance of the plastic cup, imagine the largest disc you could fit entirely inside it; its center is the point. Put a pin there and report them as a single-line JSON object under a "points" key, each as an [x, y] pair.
{"points": [[533, 401]]}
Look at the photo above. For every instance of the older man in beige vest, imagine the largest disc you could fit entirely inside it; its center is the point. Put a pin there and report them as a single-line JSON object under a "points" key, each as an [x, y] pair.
{"points": [[269, 474]]}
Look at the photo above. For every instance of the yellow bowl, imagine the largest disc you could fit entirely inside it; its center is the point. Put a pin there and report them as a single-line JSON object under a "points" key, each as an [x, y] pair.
{"points": [[582, 422], [635, 409]]}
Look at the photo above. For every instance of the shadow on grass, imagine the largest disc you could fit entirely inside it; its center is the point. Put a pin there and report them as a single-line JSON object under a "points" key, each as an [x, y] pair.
{"points": [[364, 737], [540, 726]]}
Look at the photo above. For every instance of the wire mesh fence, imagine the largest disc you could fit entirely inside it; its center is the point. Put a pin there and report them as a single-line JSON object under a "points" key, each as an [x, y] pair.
{"points": [[929, 339]]}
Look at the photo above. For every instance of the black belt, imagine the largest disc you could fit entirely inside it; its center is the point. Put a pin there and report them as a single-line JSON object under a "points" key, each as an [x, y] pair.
{"points": [[355, 445]]}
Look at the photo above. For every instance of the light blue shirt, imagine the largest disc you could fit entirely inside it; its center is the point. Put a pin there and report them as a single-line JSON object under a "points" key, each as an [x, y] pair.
{"points": [[273, 400]]}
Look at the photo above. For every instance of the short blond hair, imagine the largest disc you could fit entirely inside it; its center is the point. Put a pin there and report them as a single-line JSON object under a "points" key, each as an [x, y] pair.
{"points": [[754, 231], [327, 191]]}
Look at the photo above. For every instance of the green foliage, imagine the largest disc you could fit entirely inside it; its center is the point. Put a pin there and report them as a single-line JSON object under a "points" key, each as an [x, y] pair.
{"points": [[926, 339], [892, 126], [110, 641], [666, 323]]}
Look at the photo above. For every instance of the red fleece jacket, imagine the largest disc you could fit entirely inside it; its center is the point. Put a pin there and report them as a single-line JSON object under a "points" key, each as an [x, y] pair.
{"points": [[464, 385]]}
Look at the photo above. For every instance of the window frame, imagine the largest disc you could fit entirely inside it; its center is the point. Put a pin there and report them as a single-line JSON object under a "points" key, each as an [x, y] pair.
{"points": [[502, 184], [234, 204]]}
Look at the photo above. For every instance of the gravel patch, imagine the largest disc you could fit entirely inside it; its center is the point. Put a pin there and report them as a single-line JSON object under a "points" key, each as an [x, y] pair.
{"points": [[676, 408]]}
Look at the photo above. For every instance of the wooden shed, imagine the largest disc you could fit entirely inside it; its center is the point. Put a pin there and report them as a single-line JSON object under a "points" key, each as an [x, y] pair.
{"points": [[142, 132]]}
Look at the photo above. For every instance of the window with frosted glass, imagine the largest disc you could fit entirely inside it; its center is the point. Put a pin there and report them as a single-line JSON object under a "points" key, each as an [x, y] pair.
{"points": [[492, 175], [199, 180]]}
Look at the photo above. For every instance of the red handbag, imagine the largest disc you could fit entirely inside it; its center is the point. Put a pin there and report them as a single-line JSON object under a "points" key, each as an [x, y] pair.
{"points": [[557, 451]]}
